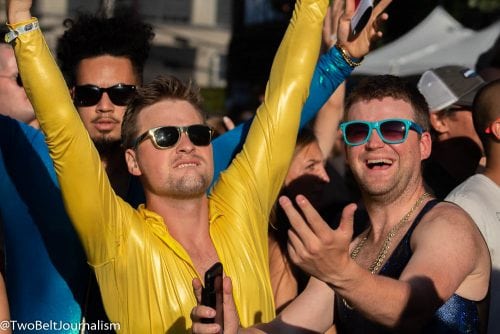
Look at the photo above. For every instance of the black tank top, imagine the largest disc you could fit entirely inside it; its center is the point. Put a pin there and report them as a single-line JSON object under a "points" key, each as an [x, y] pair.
{"points": [[457, 315]]}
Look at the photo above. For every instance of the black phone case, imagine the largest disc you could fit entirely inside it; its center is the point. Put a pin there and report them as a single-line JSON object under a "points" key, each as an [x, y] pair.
{"points": [[208, 293]]}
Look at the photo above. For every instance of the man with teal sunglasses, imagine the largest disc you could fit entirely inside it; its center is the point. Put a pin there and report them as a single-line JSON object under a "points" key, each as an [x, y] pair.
{"points": [[420, 265]]}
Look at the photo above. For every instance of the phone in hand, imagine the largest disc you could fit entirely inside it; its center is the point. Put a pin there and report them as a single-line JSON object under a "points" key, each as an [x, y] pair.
{"points": [[361, 15], [211, 294]]}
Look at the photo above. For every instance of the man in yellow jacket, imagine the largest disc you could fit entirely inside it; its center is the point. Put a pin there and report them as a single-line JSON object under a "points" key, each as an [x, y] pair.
{"points": [[145, 259]]}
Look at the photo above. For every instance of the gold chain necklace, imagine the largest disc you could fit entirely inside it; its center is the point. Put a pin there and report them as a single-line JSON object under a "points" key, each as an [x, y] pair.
{"points": [[375, 266]]}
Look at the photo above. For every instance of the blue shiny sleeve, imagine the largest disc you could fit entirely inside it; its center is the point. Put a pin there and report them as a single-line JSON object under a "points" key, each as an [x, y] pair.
{"points": [[331, 70]]}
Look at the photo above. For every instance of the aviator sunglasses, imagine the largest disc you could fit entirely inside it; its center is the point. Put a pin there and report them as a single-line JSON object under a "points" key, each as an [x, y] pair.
{"points": [[391, 131], [90, 95], [167, 136]]}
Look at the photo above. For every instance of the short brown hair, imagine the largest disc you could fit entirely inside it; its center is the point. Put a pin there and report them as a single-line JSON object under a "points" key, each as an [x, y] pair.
{"points": [[163, 87], [381, 86]]}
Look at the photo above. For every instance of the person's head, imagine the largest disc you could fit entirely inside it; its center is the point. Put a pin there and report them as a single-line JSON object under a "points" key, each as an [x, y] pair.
{"points": [[98, 52], [386, 135], [487, 116], [306, 173], [307, 158], [449, 91], [171, 162], [13, 100]]}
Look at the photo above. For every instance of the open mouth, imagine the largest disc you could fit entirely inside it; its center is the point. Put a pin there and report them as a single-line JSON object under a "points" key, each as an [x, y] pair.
{"points": [[378, 163]]}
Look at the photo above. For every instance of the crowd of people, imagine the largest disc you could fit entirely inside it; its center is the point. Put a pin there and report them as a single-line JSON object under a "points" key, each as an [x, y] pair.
{"points": [[117, 196]]}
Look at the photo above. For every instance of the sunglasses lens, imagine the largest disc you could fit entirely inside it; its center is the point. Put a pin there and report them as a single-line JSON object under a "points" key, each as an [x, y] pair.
{"points": [[356, 133], [166, 136], [200, 135], [120, 94], [393, 131], [86, 96]]}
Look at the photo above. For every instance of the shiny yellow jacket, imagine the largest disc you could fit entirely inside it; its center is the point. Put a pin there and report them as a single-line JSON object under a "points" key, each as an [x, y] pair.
{"points": [[144, 274]]}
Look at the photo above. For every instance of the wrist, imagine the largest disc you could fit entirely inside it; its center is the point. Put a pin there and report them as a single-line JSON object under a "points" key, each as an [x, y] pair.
{"points": [[349, 59], [17, 16], [21, 27]]}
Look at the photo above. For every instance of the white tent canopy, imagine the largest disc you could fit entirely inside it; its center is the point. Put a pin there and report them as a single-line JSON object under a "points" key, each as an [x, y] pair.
{"points": [[437, 41]]}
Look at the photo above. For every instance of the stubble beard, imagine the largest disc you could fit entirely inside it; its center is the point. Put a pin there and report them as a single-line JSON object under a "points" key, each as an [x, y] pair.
{"points": [[187, 186]]}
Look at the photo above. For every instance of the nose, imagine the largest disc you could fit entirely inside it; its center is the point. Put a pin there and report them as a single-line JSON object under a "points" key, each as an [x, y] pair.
{"points": [[184, 144], [374, 141], [322, 174], [105, 104]]}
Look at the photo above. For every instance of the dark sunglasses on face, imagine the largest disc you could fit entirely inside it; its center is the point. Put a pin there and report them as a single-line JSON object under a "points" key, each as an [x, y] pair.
{"points": [[90, 95], [167, 136], [391, 131]]}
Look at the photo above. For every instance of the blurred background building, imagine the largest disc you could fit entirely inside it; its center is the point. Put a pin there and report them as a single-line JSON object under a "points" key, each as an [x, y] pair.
{"points": [[227, 46], [191, 39]]}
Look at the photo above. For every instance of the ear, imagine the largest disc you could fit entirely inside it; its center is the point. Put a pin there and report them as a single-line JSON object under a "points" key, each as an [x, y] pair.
{"points": [[132, 165], [439, 122], [495, 129], [425, 145]]}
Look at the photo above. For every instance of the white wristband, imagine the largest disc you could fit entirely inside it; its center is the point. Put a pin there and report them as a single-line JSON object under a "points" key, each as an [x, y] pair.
{"points": [[14, 33]]}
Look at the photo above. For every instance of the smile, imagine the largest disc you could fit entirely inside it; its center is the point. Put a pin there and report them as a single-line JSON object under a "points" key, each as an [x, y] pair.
{"points": [[378, 163]]}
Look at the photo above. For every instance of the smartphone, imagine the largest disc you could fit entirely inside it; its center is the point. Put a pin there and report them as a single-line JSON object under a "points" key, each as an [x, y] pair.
{"points": [[361, 15], [211, 294]]}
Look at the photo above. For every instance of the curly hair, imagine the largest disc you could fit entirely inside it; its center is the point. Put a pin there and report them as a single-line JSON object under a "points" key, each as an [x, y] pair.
{"points": [[381, 86], [123, 35]]}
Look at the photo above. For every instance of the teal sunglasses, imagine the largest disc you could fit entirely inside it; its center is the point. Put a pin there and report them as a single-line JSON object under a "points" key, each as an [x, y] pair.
{"points": [[391, 131]]}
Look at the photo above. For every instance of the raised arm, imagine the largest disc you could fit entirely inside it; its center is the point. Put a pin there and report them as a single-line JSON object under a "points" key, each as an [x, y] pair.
{"points": [[89, 199], [257, 173], [329, 73]]}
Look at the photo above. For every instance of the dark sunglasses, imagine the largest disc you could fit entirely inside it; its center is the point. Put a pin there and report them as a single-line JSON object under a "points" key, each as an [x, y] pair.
{"points": [[90, 95], [391, 131], [167, 136]]}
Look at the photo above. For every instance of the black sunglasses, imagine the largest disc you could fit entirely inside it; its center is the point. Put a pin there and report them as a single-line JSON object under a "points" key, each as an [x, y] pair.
{"points": [[90, 95], [391, 131], [167, 136]]}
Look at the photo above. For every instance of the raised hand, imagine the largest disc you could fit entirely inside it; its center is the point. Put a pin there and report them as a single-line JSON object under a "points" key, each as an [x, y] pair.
{"points": [[18, 10], [359, 45], [331, 23], [231, 319], [313, 245]]}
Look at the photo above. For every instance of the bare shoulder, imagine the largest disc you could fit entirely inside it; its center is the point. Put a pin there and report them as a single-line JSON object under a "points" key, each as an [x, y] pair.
{"points": [[448, 245], [448, 218], [447, 228]]}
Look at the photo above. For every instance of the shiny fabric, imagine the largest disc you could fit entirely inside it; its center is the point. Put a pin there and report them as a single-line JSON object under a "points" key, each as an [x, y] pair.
{"points": [[144, 274], [456, 315], [33, 213], [331, 70]]}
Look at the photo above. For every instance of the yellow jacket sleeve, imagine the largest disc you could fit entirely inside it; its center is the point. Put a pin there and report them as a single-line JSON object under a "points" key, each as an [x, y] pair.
{"points": [[248, 189], [96, 212]]}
